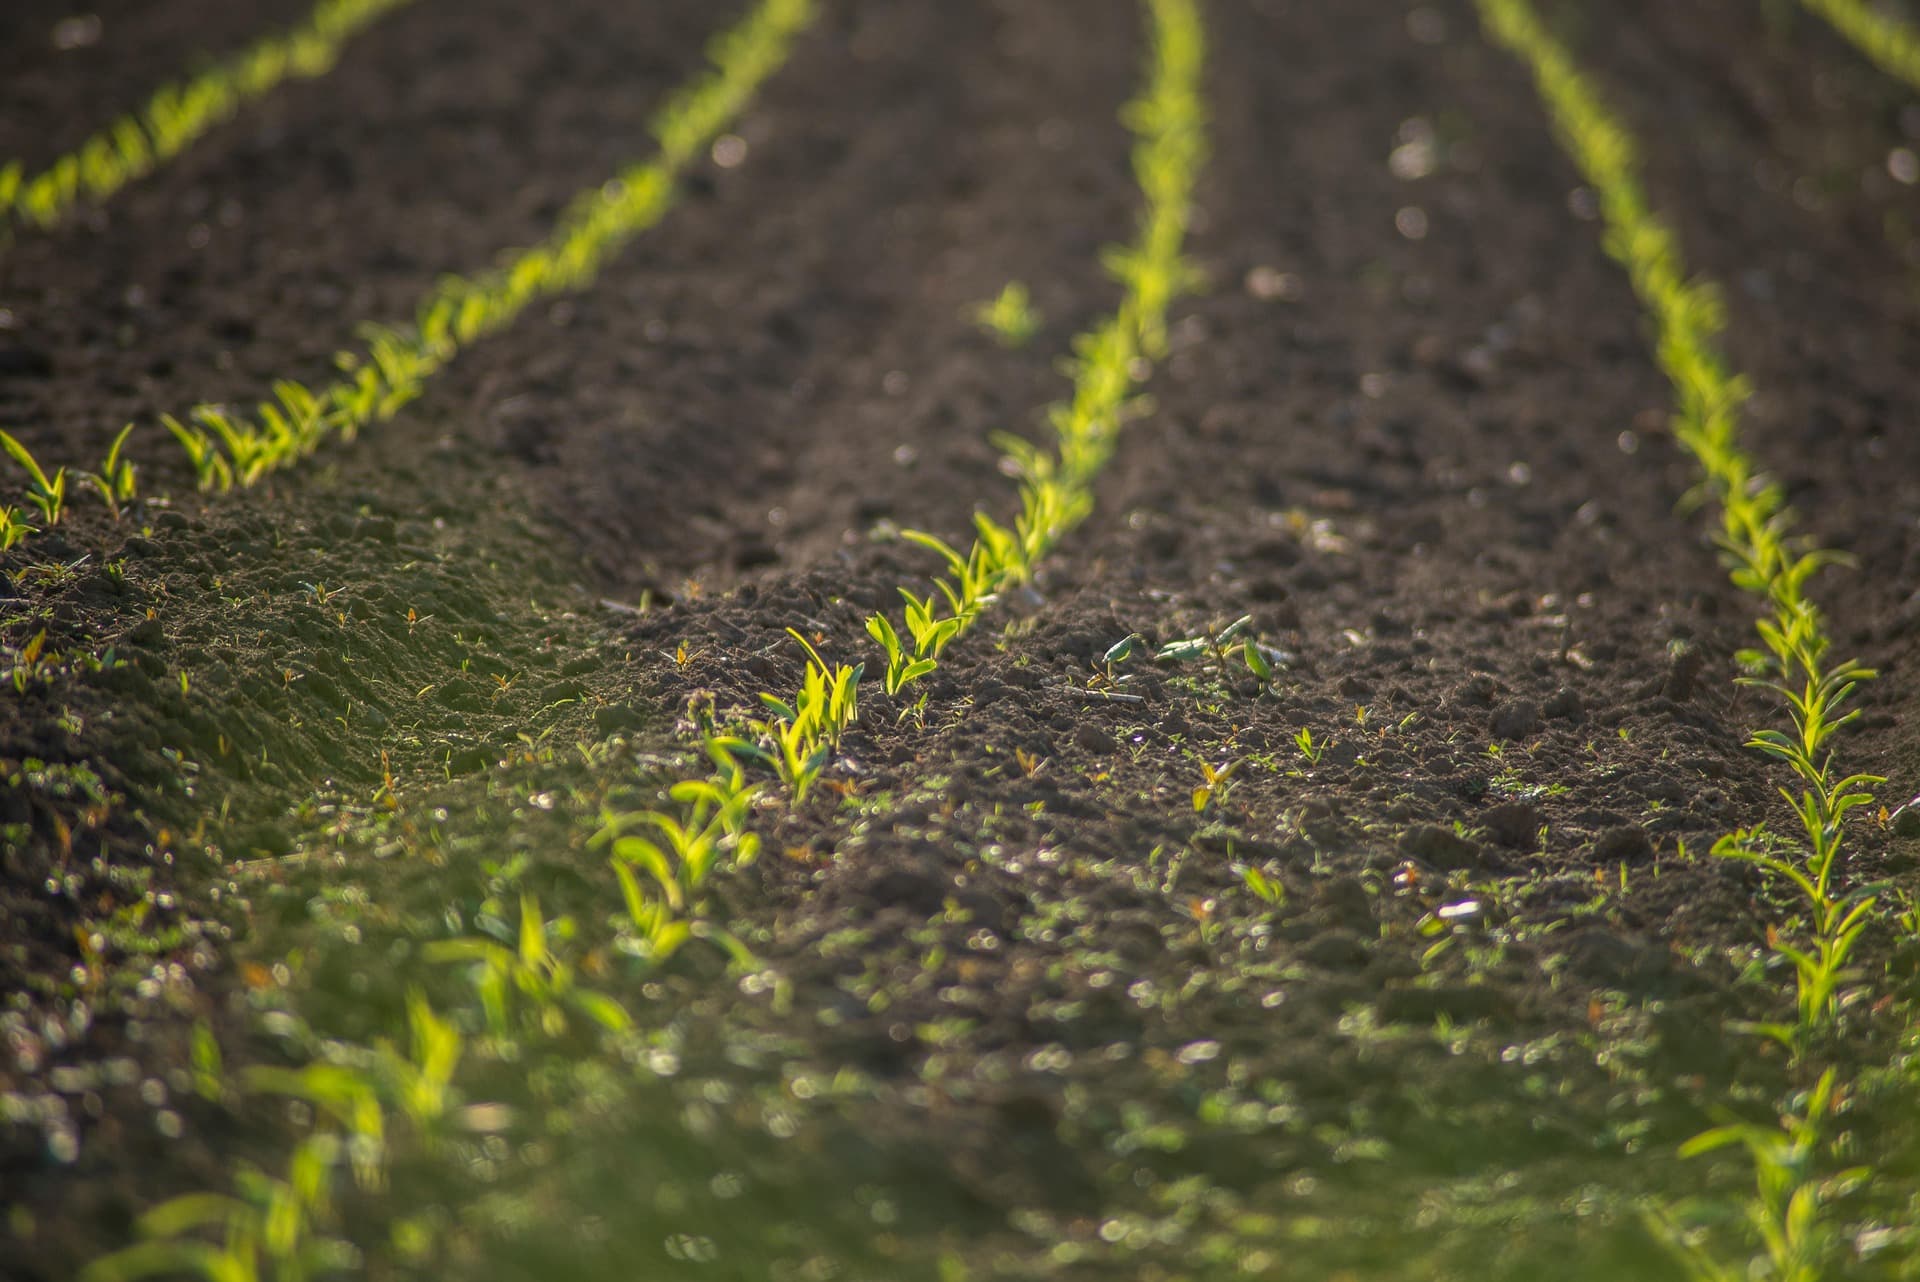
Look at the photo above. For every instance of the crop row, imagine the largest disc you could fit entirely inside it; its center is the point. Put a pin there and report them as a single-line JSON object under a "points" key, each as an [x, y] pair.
{"points": [[1888, 43], [179, 114], [1768, 560], [228, 448], [662, 859]]}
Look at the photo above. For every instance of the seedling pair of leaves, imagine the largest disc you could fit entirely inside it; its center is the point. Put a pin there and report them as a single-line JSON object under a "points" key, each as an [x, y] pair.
{"points": [[135, 145], [1220, 648]]}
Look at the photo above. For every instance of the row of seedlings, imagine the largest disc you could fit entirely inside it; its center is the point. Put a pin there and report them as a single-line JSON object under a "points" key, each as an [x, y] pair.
{"points": [[1794, 1179]]}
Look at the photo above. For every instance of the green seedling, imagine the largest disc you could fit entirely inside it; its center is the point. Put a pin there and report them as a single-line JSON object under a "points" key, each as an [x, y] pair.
{"points": [[1838, 920], [1265, 888], [1311, 749], [903, 664], [533, 974], [1010, 317], [271, 1228], [1799, 1245], [344, 1095], [1216, 783], [1105, 368], [48, 493], [211, 469], [115, 481], [420, 1079], [801, 735], [1766, 559]]}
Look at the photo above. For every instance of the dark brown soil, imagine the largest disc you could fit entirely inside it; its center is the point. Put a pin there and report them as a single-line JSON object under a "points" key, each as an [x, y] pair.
{"points": [[1031, 1019]]}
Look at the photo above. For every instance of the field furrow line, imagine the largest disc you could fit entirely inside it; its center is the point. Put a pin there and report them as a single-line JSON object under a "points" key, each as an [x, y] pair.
{"points": [[179, 114], [1769, 560]]}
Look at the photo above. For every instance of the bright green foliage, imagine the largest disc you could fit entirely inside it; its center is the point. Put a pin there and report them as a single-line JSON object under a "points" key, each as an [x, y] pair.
{"points": [[677, 850], [1108, 362], [178, 114], [1892, 45], [48, 493], [229, 449], [12, 528], [1010, 317], [1767, 559], [276, 1227], [1786, 1212]]}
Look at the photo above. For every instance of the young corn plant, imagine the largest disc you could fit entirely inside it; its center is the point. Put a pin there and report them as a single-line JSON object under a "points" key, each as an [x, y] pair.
{"points": [[115, 482], [679, 850], [396, 362], [1766, 559], [48, 493], [531, 987], [269, 1228], [1010, 317], [1056, 482], [177, 114], [1798, 1243], [13, 530]]}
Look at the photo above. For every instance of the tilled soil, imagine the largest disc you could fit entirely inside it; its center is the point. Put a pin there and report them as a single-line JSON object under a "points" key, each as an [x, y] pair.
{"points": [[1030, 1018]]}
